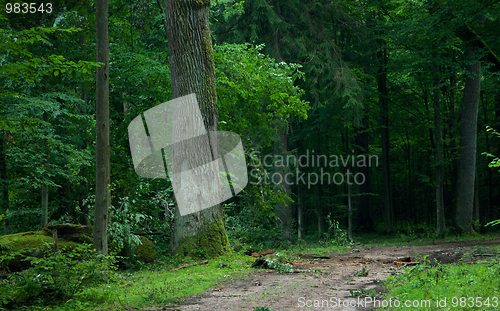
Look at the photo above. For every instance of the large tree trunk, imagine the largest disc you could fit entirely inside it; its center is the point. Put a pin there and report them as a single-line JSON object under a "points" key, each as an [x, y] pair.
{"points": [[468, 138], [192, 71], [440, 223], [102, 191]]}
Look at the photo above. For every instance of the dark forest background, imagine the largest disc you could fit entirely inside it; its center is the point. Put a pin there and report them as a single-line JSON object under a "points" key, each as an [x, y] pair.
{"points": [[415, 83]]}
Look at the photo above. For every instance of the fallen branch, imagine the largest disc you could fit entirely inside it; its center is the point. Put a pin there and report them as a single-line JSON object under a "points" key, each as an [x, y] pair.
{"points": [[264, 253], [193, 264], [321, 257]]}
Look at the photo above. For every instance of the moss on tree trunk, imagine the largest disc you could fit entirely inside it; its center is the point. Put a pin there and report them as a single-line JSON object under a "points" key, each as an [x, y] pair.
{"points": [[209, 242], [192, 70]]}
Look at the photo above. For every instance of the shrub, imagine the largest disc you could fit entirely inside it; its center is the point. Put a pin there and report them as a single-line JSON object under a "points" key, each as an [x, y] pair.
{"points": [[55, 276], [335, 234]]}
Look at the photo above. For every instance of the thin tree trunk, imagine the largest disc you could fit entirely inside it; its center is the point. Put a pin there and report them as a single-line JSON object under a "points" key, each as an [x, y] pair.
{"points": [[45, 204], [300, 200], [3, 178], [477, 224], [489, 205], [45, 187], [300, 213], [363, 141], [319, 201], [438, 142], [468, 138], [384, 108], [349, 226], [192, 71], [284, 211], [319, 211], [349, 206], [102, 191]]}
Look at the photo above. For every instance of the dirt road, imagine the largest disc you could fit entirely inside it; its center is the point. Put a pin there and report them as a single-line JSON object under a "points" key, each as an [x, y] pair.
{"points": [[345, 281]]}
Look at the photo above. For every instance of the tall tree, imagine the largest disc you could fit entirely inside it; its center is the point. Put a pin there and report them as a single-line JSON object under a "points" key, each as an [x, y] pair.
{"points": [[102, 191], [3, 176], [364, 212], [45, 187], [192, 71], [384, 122], [440, 228], [468, 140]]}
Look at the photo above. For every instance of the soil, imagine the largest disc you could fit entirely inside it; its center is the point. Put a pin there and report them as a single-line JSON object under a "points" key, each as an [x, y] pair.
{"points": [[335, 281]]}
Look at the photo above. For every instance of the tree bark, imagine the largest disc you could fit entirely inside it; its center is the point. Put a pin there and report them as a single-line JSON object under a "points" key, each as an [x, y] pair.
{"points": [[349, 216], [300, 213], [477, 222], [364, 211], [45, 187], [192, 71], [3, 178], [102, 191], [300, 200], [438, 142], [384, 122], [468, 139], [284, 210]]}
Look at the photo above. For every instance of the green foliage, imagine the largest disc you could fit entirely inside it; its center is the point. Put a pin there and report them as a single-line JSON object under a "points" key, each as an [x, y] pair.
{"points": [[262, 309], [278, 266], [44, 118], [255, 92], [56, 276], [123, 224], [362, 272], [336, 235], [23, 66], [251, 226], [456, 283], [495, 161]]}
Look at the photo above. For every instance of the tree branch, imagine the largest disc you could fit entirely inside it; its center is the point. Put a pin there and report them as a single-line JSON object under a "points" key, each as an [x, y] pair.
{"points": [[467, 34]]}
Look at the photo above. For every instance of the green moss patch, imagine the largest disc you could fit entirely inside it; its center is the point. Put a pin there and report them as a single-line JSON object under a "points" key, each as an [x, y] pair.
{"points": [[31, 239], [146, 251], [211, 242], [68, 240]]}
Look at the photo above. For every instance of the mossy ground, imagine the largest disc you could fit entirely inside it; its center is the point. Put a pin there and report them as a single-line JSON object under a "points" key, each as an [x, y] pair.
{"points": [[35, 239], [146, 251], [30, 239]]}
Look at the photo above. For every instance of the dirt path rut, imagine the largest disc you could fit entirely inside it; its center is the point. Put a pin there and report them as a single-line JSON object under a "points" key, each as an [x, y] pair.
{"points": [[341, 282]]}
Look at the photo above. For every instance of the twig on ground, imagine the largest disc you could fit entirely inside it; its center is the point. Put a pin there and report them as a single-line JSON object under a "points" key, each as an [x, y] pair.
{"points": [[193, 264]]}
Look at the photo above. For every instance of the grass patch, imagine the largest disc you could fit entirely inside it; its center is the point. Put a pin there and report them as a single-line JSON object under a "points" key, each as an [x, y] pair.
{"points": [[460, 284], [154, 287]]}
